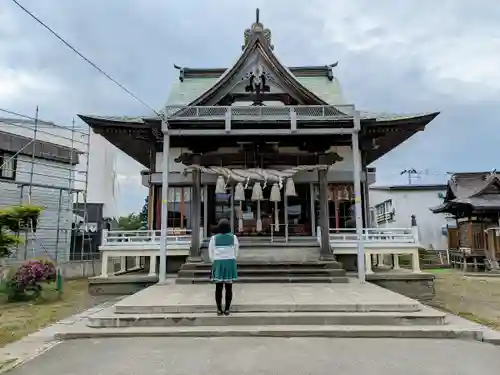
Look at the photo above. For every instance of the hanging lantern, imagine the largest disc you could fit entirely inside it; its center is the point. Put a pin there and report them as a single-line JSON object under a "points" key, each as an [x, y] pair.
{"points": [[275, 193], [290, 188], [220, 186], [346, 194], [240, 217], [339, 195], [331, 194], [257, 196], [257, 192], [239, 192], [276, 197]]}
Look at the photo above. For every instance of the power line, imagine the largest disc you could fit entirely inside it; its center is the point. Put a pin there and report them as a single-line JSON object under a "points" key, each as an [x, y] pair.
{"points": [[85, 58]]}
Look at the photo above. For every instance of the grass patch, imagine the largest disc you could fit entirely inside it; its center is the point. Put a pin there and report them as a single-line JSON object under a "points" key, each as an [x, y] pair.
{"points": [[475, 299], [439, 270], [22, 318]]}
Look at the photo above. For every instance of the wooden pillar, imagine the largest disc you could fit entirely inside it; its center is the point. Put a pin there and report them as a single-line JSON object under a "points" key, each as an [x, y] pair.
{"points": [[150, 207], [194, 252], [326, 252], [312, 208], [205, 211], [470, 239]]}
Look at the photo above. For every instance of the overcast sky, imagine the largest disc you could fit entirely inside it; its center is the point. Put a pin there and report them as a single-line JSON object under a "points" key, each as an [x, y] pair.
{"points": [[394, 56]]}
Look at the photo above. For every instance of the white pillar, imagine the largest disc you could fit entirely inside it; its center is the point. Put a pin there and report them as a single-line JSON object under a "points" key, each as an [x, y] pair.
{"points": [[356, 155], [152, 265], [104, 264], [164, 204], [123, 264], [380, 259], [415, 261], [368, 262], [395, 259], [137, 261]]}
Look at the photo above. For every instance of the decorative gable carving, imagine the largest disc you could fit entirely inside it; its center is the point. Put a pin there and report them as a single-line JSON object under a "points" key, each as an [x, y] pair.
{"points": [[260, 72], [257, 27]]}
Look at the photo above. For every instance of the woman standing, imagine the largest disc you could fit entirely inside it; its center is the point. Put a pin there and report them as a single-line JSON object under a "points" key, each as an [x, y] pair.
{"points": [[223, 250]]}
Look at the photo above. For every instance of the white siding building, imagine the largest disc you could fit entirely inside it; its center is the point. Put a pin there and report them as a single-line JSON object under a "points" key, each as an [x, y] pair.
{"points": [[51, 182], [47, 184], [393, 206], [99, 169]]}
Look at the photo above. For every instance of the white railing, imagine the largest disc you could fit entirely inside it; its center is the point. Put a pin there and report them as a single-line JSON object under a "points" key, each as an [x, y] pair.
{"points": [[146, 243], [305, 112], [375, 235], [380, 242], [143, 237], [341, 235]]}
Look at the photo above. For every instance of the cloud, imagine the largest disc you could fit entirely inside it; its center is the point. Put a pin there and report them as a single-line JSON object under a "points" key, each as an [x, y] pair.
{"points": [[407, 56], [18, 84]]}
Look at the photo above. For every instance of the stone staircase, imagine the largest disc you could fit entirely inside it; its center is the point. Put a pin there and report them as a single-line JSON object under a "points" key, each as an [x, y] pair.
{"points": [[263, 261], [269, 272], [278, 310]]}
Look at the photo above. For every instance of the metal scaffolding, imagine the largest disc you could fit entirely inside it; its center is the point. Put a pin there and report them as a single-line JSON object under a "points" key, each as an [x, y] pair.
{"points": [[47, 165]]}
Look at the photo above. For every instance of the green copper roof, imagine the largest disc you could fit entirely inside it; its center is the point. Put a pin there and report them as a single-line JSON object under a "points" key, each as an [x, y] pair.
{"points": [[329, 91], [185, 92]]}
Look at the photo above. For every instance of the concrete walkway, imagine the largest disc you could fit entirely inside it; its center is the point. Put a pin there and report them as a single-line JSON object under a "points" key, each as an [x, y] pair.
{"points": [[262, 356]]}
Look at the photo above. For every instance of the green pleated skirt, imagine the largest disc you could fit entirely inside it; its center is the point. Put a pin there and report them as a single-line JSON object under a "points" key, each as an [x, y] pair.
{"points": [[224, 271]]}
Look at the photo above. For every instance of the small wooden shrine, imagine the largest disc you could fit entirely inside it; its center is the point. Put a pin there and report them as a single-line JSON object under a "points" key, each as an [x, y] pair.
{"points": [[473, 199]]}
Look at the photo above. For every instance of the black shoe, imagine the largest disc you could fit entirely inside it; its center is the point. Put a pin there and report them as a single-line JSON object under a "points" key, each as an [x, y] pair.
{"points": [[219, 313], [226, 312]]}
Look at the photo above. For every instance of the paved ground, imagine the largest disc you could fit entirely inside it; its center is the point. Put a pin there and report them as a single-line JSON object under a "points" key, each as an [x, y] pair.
{"points": [[262, 356]]}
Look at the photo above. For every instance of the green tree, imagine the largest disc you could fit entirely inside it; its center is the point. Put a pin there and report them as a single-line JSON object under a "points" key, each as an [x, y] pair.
{"points": [[132, 221], [144, 213], [13, 220]]}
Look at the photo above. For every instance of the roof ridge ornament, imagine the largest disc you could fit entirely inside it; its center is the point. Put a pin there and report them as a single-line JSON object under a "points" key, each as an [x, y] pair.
{"points": [[257, 28], [181, 72]]}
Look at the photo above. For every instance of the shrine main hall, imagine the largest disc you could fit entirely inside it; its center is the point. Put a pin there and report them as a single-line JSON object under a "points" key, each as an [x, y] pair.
{"points": [[277, 150]]}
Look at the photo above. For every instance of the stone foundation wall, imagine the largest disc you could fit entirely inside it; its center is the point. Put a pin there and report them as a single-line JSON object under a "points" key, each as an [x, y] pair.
{"points": [[174, 263], [417, 286]]}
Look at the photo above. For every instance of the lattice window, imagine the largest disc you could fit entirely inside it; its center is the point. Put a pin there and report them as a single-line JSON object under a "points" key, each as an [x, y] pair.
{"points": [[8, 165], [384, 212]]}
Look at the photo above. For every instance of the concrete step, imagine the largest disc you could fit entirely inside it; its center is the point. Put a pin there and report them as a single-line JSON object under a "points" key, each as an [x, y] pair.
{"points": [[271, 265], [109, 319], [269, 272], [270, 279], [350, 297], [124, 307], [347, 331]]}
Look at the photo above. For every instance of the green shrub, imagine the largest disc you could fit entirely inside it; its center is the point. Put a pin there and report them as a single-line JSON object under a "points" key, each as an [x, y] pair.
{"points": [[12, 221]]}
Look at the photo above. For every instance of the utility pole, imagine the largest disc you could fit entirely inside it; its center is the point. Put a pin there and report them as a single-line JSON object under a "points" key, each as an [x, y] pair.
{"points": [[410, 172]]}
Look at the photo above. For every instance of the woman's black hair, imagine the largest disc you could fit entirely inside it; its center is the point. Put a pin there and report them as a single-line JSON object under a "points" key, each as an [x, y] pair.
{"points": [[223, 226]]}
